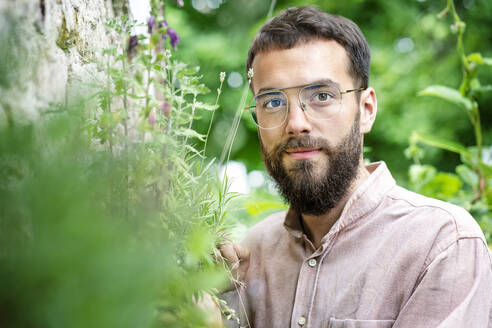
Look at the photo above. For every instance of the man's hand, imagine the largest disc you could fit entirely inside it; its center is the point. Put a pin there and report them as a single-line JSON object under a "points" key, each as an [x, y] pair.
{"points": [[213, 317], [237, 259]]}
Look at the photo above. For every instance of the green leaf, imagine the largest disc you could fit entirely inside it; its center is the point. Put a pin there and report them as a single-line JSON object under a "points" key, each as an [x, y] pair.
{"points": [[485, 169], [484, 165], [440, 143], [190, 134], [449, 94], [420, 175], [487, 61], [257, 207], [467, 175], [200, 105], [426, 180], [194, 151], [443, 186], [477, 58], [484, 88]]}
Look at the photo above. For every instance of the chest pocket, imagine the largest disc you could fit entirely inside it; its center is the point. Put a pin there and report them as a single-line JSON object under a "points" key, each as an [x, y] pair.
{"points": [[350, 323]]}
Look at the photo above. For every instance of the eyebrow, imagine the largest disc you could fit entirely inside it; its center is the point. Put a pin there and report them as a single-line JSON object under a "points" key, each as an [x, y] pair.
{"points": [[322, 81]]}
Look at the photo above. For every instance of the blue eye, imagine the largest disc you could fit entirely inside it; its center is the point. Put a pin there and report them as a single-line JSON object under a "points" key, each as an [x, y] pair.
{"points": [[274, 103]]}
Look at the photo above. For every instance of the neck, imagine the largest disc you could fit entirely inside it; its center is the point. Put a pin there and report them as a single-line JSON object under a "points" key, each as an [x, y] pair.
{"points": [[317, 226]]}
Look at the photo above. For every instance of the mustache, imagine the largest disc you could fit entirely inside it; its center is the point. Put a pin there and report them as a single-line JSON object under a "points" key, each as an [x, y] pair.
{"points": [[302, 142]]}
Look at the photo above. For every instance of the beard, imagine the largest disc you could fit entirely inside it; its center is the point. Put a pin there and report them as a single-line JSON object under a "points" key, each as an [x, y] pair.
{"points": [[307, 191]]}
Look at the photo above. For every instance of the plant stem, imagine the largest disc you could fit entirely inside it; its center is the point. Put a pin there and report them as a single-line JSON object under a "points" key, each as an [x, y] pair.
{"points": [[193, 106], [460, 26], [147, 87], [478, 131], [110, 96], [272, 6], [235, 124], [180, 107], [125, 126], [466, 91], [219, 91]]}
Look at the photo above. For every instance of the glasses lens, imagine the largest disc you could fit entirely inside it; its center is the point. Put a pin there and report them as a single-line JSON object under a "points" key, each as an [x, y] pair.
{"points": [[321, 101], [270, 109]]}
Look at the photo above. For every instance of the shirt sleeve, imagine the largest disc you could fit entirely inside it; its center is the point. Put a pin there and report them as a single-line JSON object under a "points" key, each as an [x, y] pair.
{"points": [[454, 290]]}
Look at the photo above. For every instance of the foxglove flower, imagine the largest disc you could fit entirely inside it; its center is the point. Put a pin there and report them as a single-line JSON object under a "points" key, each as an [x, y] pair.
{"points": [[174, 38], [150, 24]]}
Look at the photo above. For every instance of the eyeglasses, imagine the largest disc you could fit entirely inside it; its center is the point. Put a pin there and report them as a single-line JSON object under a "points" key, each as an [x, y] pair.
{"points": [[320, 101]]}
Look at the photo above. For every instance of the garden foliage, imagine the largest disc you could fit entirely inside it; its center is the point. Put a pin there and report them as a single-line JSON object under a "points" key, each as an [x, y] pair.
{"points": [[109, 213], [471, 185]]}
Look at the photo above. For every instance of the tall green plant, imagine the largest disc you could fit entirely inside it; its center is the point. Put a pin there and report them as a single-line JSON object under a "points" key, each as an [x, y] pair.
{"points": [[147, 108], [471, 186], [109, 209]]}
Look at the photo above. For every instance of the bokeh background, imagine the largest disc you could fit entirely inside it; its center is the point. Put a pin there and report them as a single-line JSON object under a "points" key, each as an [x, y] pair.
{"points": [[411, 48]]}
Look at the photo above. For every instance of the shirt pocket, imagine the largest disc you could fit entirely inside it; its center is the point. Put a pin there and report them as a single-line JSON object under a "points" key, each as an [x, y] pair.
{"points": [[351, 323]]}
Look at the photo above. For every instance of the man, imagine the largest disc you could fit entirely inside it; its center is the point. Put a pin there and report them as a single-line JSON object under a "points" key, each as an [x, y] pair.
{"points": [[354, 249]]}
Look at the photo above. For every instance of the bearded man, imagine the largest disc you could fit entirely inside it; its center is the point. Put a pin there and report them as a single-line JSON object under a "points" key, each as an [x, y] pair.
{"points": [[354, 249]]}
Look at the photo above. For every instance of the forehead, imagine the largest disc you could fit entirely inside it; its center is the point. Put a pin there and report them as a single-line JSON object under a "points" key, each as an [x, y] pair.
{"points": [[303, 64]]}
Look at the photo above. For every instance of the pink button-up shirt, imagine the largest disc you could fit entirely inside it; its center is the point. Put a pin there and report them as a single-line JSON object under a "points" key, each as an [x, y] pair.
{"points": [[393, 259]]}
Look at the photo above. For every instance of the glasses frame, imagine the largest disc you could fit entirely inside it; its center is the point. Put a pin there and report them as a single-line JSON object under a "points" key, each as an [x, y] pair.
{"points": [[301, 104]]}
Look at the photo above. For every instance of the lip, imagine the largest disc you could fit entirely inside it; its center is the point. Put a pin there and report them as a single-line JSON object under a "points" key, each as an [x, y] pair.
{"points": [[303, 153]]}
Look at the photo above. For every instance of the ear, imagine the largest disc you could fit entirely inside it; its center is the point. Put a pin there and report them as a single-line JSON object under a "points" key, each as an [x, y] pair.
{"points": [[368, 109]]}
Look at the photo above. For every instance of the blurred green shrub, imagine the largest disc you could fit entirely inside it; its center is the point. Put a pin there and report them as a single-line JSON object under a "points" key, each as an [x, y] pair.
{"points": [[471, 186], [109, 215]]}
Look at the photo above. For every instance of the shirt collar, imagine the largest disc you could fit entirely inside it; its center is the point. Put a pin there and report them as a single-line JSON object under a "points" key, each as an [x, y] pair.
{"points": [[363, 201]]}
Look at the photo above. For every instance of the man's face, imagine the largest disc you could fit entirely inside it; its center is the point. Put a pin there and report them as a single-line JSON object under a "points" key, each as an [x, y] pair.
{"points": [[313, 161]]}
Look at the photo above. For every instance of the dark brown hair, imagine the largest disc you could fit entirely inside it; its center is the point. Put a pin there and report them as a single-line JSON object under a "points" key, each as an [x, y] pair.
{"points": [[303, 24]]}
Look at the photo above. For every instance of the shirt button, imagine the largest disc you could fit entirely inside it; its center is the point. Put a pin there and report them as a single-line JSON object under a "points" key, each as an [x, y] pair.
{"points": [[312, 262], [301, 321]]}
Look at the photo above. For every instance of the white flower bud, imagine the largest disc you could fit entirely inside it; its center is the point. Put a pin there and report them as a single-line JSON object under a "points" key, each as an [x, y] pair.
{"points": [[250, 73]]}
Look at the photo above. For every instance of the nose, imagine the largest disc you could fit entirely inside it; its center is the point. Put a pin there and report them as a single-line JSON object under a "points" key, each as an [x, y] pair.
{"points": [[297, 121]]}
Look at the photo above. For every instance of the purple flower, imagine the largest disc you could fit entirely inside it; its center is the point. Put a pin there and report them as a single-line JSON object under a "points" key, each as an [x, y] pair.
{"points": [[161, 25], [132, 45], [180, 3], [166, 108], [151, 118], [150, 24], [174, 38]]}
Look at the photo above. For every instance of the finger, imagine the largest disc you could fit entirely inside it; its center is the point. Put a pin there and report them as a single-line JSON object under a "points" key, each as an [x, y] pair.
{"points": [[242, 252], [229, 253]]}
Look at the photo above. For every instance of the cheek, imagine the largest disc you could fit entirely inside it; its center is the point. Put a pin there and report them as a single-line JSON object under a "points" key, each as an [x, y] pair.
{"points": [[267, 139], [331, 130], [336, 128]]}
